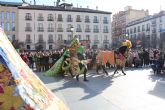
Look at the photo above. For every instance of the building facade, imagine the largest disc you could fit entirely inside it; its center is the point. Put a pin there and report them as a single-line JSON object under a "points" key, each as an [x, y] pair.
{"points": [[49, 27], [9, 19], [121, 19], [147, 32]]}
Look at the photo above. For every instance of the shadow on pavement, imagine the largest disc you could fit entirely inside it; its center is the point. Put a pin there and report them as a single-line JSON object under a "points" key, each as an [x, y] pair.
{"points": [[159, 89], [70, 83]]}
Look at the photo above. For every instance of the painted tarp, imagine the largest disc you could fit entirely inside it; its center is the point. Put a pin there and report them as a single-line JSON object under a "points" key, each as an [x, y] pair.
{"points": [[20, 88]]}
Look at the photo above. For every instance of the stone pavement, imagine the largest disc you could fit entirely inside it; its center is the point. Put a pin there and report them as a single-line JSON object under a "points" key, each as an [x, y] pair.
{"points": [[138, 90]]}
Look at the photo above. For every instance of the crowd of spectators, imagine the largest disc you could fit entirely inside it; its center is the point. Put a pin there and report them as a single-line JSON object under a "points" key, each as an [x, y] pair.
{"points": [[42, 61]]}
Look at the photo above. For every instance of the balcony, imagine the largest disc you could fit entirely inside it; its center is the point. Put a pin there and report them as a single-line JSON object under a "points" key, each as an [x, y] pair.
{"points": [[105, 21], [40, 29], [106, 41], [96, 41], [105, 31], [50, 29], [87, 30], [28, 29], [59, 19], [69, 20], [41, 41], [40, 19], [50, 41], [28, 17], [68, 30], [28, 41], [78, 30], [87, 20], [78, 20], [154, 31], [50, 18], [148, 29], [95, 30], [59, 29], [95, 21]]}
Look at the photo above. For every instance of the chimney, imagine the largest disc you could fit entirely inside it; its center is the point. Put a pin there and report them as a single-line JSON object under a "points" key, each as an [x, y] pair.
{"points": [[96, 7], [34, 2]]}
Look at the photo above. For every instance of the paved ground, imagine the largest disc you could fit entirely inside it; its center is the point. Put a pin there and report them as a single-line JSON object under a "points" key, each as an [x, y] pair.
{"points": [[138, 90]]}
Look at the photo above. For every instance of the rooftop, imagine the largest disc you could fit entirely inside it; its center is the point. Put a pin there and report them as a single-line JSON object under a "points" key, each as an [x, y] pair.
{"points": [[61, 8]]}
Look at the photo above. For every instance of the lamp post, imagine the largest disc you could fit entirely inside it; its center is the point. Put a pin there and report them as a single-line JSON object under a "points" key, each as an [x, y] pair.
{"points": [[72, 29]]}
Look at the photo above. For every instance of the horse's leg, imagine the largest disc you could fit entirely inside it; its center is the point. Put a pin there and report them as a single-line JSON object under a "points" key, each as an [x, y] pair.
{"points": [[104, 70], [85, 77], [122, 69], [97, 68], [115, 70]]}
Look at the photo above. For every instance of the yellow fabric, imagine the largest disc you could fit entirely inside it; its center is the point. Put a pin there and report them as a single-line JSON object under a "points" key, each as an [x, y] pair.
{"points": [[127, 43], [9, 100]]}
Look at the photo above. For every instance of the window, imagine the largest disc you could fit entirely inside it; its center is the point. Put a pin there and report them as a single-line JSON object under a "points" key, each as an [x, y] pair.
{"points": [[60, 37], [50, 37], [13, 37], [40, 37], [134, 29], [96, 37], [3, 25], [7, 15], [138, 28], [2, 15], [8, 26], [27, 36], [13, 26], [28, 16], [105, 21], [105, 37], [69, 37], [160, 19], [50, 47], [148, 27], [59, 17], [13, 15], [69, 18], [143, 27], [87, 37], [28, 47]]}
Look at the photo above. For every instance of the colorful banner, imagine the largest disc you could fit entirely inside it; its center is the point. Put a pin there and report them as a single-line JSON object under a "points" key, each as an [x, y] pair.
{"points": [[32, 91]]}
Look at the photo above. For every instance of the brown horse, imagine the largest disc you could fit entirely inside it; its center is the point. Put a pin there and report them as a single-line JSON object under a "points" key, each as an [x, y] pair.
{"points": [[113, 58]]}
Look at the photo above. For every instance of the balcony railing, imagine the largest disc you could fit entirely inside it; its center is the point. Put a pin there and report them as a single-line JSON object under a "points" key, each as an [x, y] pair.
{"points": [[105, 21], [78, 20], [95, 21], [106, 31], [50, 29], [40, 29], [28, 17], [59, 29], [87, 20], [28, 29], [50, 19], [41, 41], [106, 41], [50, 41], [28, 41], [78, 30], [69, 19], [96, 41], [40, 19], [68, 30], [87, 30], [59, 19], [96, 30]]}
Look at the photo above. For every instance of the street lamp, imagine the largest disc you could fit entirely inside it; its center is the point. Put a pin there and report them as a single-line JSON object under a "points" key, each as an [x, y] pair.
{"points": [[72, 29]]}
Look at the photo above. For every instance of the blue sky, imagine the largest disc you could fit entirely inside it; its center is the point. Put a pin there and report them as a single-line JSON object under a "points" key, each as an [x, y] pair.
{"points": [[113, 6]]}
